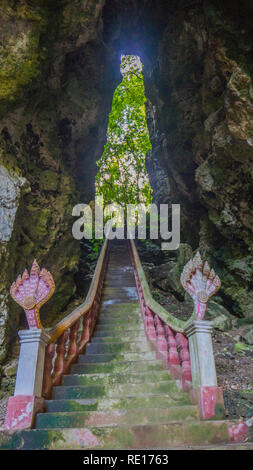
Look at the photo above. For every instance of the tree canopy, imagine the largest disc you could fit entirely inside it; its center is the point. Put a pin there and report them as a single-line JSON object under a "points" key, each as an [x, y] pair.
{"points": [[122, 175]]}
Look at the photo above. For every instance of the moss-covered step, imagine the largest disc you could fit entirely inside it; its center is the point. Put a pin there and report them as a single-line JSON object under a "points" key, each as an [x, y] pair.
{"points": [[130, 336], [117, 266], [114, 390], [122, 319], [116, 281], [124, 366], [113, 280], [112, 276], [116, 295], [115, 292], [111, 308], [114, 378], [117, 284], [116, 357], [119, 331], [158, 436], [123, 307], [119, 322], [92, 404], [118, 299], [136, 416], [119, 316], [133, 346]]}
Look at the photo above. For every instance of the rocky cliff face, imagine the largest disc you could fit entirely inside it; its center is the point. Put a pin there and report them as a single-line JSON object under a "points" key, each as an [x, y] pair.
{"points": [[201, 87], [53, 111], [59, 66], [197, 59]]}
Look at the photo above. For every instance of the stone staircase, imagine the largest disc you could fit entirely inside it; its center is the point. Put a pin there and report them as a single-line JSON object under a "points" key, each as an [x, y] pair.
{"points": [[118, 395]]}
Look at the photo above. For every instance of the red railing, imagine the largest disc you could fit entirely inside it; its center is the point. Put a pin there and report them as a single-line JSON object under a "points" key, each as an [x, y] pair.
{"points": [[168, 340], [69, 337]]}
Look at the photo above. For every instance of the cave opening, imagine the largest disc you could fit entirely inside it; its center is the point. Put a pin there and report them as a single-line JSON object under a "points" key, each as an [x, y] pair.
{"points": [[122, 177]]}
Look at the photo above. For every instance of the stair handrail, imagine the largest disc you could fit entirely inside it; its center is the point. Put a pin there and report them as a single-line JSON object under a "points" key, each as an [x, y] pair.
{"points": [[185, 347], [46, 356], [83, 308], [202, 290], [175, 323], [31, 301]]}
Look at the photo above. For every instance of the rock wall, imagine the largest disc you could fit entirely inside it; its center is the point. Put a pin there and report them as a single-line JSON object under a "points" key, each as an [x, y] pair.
{"points": [[197, 59], [201, 89], [54, 104]]}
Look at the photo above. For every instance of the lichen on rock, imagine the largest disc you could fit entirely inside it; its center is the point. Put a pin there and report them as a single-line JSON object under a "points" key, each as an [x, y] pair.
{"points": [[52, 129], [10, 192]]}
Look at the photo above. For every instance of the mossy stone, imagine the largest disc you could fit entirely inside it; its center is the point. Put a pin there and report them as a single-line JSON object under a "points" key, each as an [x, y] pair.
{"points": [[221, 318], [248, 335], [49, 180], [241, 347]]}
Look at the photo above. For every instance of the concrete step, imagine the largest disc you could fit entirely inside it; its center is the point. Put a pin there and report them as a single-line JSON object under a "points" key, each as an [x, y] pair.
{"points": [[110, 315], [124, 295], [111, 348], [116, 281], [124, 366], [116, 329], [133, 323], [129, 337], [120, 308], [125, 319], [117, 276], [109, 301], [94, 404], [156, 436], [116, 291], [118, 357], [132, 417], [130, 321], [114, 390], [117, 302], [125, 268], [118, 316], [114, 378], [127, 402]]}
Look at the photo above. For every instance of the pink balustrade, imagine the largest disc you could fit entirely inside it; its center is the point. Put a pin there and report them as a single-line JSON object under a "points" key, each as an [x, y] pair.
{"points": [[55, 350], [171, 347], [62, 353]]}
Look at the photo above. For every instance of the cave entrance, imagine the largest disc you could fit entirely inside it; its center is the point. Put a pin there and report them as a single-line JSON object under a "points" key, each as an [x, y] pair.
{"points": [[122, 177]]}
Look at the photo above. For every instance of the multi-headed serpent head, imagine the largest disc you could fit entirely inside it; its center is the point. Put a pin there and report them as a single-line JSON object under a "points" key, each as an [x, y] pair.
{"points": [[201, 282], [31, 291]]}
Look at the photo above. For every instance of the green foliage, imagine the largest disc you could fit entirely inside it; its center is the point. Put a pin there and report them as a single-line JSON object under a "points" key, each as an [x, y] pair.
{"points": [[122, 175], [92, 247]]}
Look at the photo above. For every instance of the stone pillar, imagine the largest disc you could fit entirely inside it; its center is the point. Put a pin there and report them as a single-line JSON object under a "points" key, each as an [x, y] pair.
{"points": [[205, 391], [27, 399]]}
